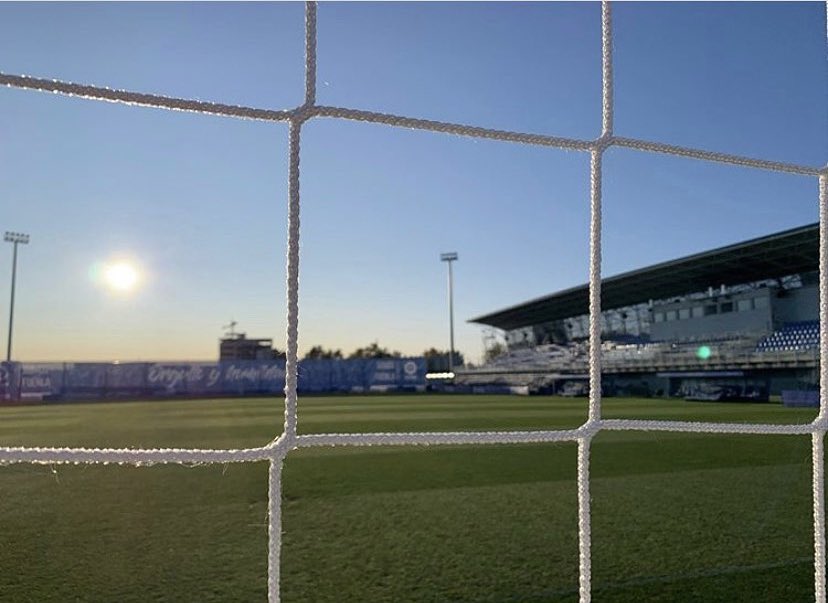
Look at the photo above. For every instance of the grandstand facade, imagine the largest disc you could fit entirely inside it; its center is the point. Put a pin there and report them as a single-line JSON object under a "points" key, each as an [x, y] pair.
{"points": [[737, 322]]}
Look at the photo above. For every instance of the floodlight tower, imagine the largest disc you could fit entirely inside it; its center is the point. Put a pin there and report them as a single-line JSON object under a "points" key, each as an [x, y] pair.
{"points": [[449, 258], [15, 238]]}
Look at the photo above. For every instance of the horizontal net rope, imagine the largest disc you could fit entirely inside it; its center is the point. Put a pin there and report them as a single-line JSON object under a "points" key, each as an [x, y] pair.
{"points": [[414, 123], [690, 153], [703, 427], [150, 456], [133, 456], [439, 438], [306, 112], [276, 451], [139, 98]]}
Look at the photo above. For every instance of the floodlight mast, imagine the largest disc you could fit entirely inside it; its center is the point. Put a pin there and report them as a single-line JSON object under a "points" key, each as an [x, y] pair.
{"points": [[15, 238], [449, 258]]}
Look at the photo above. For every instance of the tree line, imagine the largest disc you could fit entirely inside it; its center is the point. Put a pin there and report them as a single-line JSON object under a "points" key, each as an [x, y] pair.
{"points": [[436, 360]]}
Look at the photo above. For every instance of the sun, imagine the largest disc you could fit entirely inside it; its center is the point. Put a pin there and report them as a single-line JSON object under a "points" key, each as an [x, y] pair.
{"points": [[121, 277]]}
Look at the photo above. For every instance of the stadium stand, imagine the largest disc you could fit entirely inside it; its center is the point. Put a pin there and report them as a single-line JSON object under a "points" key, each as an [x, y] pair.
{"points": [[716, 325]]}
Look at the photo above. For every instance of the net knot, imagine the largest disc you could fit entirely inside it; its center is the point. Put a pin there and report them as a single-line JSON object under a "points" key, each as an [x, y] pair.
{"points": [[303, 113], [590, 428], [604, 142]]}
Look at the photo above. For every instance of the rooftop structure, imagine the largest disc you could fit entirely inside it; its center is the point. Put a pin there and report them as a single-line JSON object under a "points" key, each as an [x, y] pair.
{"points": [[770, 257], [239, 347]]}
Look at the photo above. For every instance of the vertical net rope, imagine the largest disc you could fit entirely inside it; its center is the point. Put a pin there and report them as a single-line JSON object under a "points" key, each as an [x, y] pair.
{"points": [[276, 451]]}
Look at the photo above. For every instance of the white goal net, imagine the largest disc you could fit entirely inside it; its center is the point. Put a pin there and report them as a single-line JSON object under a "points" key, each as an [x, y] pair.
{"points": [[289, 440]]}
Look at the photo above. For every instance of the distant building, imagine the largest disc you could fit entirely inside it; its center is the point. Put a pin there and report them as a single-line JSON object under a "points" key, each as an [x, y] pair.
{"points": [[238, 347]]}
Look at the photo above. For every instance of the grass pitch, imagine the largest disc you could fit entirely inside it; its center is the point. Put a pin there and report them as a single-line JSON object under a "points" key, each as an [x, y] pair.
{"points": [[676, 517]]}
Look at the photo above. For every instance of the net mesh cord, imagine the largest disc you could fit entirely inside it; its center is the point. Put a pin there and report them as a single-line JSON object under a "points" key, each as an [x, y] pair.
{"points": [[276, 451]]}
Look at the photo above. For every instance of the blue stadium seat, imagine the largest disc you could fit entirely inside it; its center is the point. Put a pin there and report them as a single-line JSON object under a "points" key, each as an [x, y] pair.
{"points": [[801, 335]]}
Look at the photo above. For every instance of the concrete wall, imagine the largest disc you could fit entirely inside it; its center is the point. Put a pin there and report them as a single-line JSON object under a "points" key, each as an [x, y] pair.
{"points": [[796, 305], [776, 380], [639, 385], [757, 319], [792, 379]]}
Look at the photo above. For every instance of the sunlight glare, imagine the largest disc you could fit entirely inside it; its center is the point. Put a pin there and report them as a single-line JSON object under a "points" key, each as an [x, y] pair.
{"points": [[121, 277]]}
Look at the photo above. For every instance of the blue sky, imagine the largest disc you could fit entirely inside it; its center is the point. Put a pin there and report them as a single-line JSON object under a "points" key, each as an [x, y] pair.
{"points": [[199, 203]]}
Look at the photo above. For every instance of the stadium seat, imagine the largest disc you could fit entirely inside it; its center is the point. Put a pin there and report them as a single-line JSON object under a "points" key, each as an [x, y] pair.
{"points": [[793, 336]]}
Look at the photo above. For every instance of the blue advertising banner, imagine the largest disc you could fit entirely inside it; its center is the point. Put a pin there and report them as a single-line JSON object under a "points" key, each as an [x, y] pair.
{"points": [[253, 376], [317, 376], [39, 381], [9, 381], [795, 398], [395, 373], [171, 379], [361, 374], [82, 376], [137, 379], [129, 375]]}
